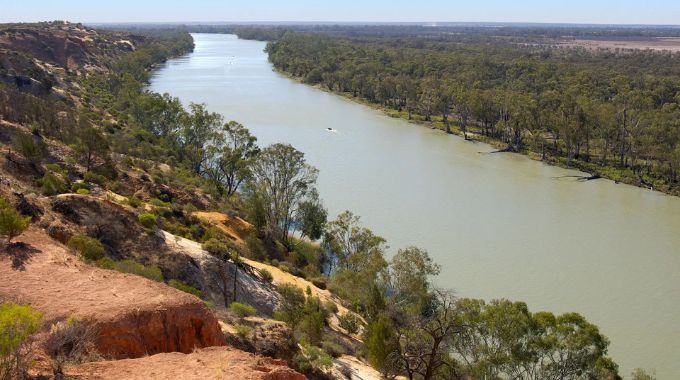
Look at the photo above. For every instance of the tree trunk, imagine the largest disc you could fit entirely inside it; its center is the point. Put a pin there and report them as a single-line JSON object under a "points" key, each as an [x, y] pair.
{"points": [[235, 279]]}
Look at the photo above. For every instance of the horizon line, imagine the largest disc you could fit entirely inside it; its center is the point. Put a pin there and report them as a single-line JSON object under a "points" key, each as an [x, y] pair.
{"points": [[360, 23]]}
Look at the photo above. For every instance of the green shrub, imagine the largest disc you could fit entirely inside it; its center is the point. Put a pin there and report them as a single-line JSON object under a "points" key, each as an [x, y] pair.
{"points": [[311, 326], [159, 203], [12, 224], [349, 322], [177, 284], [217, 248], [241, 309], [115, 186], [378, 342], [331, 307], [55, 168], [27, 145], [83, 191], [242, 330], [105, 263], [334, 349], [291, 309], [313, 358], [80, 186], [90, 248], [255, 247], [52, 184], [266, 275], [147, 220], [134, 201], [17, 323], [189, 208], [95, 178], [129, 266]]}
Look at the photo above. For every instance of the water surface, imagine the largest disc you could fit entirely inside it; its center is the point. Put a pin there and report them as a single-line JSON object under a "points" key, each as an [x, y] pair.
{"points": [[501, 225]]}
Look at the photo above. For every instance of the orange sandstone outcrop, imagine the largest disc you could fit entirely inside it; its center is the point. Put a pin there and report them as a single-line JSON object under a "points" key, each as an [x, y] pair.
{"points": [[208, 363], [133, 316]]}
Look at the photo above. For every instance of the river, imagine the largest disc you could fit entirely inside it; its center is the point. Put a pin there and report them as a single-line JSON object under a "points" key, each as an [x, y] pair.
{"points": [[501, 225]]}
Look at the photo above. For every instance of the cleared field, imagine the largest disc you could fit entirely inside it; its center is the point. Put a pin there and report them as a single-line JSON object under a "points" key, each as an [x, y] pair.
{"points": [[665, 43]]}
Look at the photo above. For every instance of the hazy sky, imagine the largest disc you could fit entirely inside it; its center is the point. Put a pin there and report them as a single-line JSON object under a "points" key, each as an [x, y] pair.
{"points": [[569, 11]]}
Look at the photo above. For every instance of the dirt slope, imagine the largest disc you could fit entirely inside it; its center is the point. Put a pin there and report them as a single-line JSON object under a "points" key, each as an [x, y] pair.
{"points": [[208, 363], [134, 316], [239, 228], [236, 228]]}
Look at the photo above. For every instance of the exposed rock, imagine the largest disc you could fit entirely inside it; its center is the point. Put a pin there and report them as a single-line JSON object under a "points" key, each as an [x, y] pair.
{"points": [[208, 363], [267, 337], [205, 270]]}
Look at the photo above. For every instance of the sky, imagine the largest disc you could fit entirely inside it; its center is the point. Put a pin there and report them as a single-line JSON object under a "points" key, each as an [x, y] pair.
{"points": [[544, 11]]}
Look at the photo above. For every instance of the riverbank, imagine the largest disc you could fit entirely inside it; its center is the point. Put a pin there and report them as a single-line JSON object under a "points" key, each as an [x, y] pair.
{"points": [[596, 171]]}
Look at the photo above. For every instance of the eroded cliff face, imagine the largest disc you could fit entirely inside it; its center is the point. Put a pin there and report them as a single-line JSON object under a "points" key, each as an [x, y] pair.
{"points": [[132, 316], [174, 328]]}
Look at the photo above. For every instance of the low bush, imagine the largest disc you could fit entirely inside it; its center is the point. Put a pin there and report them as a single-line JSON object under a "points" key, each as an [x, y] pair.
{"points": [[217, 248], [105, 263], [12, 224], [331, 307], [255, 247], [70, 341], [177, 284], [349, 322], [147, 220], [291, 309], [312, 359], [129, 266], [241, 309], [51, 184], [29, 147], [134, 201], [159, 203], [83, 192], [79, 186], [242, 330], [17, 324], [332, 348], [95, 178], [88, 247], [266, 275]]}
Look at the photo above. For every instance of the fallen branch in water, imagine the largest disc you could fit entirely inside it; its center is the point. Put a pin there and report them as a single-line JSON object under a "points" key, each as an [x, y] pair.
{"points": [[580, 178]]}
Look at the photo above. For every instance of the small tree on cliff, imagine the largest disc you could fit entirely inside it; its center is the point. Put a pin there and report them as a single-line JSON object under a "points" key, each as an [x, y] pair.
{"points": [[12, 224], [91, 144]]}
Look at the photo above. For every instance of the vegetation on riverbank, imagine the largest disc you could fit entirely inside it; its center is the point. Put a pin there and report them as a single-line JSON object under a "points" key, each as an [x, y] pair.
{"points": [[146, 159], [610, 113]]}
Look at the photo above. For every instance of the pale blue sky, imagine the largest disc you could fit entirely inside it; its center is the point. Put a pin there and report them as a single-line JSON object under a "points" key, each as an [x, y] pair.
{"points": [[552, 11]]}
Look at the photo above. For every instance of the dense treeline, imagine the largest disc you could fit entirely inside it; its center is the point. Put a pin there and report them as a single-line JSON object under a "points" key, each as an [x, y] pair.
{"points": [[518, 31], [613, 113]]}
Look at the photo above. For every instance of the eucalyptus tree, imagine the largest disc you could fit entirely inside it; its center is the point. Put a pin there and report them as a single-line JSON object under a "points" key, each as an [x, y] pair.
{"points": [[280, 181], [230, 156], [198, 128]]}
